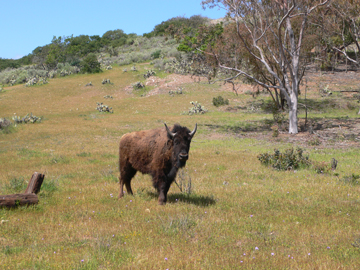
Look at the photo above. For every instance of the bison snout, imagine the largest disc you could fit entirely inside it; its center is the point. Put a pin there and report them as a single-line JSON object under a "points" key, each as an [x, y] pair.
{"points": [[183, 156]]}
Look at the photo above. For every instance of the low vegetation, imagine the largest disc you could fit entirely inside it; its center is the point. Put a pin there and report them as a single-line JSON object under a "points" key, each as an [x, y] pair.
{"points": [[295, 207], [220, 101], [224, 199]]}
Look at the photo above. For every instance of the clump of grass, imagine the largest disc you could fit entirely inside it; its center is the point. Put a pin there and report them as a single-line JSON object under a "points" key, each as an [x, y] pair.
{"points": [[16, 185], [59, 160], [183, 181], [353, 179], [84, 154], [314, 141], [174, 226], [48, 187], [288, 160], [321, 166], [220, 101], [176, 92], [276, 132]]}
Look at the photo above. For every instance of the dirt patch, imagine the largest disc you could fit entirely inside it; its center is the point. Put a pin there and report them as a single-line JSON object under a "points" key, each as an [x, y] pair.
{"points": [[174, 82], [171, 82]]}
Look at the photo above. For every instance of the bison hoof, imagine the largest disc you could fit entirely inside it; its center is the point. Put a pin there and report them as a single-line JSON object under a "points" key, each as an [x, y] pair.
{"points": [[162, 203]]}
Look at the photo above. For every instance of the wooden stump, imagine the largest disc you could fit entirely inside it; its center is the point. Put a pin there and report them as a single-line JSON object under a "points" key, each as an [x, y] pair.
{"points": [[27, 198], [35, 183]]}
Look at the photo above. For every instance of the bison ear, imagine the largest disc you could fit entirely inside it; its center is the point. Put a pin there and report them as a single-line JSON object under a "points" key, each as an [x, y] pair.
{"points": [[192, 133], [171, 135]]}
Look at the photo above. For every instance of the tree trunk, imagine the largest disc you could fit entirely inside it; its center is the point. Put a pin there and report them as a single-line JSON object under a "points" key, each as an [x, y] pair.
{"points": [[14, 200], [293, 120]]}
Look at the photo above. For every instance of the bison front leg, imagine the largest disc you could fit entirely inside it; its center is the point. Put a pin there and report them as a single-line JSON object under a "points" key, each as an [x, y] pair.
{"points": [[163, 190]]}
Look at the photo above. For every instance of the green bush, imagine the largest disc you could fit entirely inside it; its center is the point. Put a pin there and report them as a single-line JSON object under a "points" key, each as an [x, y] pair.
{"points": [[156, 54], [90, 64], [289, 160], [220, 101]]}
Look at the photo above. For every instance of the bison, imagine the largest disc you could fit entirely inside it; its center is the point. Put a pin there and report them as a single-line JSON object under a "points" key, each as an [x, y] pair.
{"points": [[158, 152]]}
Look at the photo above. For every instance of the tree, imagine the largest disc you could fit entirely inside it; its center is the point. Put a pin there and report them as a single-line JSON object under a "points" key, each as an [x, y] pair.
{"points": [[272, 33], [341, 28], [90, 64]]}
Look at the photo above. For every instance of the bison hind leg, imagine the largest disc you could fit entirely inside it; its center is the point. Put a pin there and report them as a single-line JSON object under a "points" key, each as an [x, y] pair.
{"points": [[125, 178]]}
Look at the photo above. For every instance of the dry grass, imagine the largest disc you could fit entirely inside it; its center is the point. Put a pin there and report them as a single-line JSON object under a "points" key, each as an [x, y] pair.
{"points": [[240, 214]]}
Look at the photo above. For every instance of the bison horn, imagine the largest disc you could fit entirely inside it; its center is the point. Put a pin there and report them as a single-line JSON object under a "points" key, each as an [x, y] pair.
{"points": [[169, 132], [192, 133]]}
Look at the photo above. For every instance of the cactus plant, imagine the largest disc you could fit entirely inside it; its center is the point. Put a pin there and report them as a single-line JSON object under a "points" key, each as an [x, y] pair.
{"points": [[103, 108], [196, 109]]}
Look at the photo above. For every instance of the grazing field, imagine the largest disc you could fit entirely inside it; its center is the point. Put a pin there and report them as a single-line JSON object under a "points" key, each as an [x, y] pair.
{"points": [[239, 214]]}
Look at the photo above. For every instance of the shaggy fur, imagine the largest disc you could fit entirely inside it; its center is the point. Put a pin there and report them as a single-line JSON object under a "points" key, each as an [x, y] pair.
{"points": [[155, 152]]}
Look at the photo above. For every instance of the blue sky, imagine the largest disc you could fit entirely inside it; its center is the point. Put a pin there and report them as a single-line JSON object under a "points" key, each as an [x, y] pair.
{"points": [[27, 24]]}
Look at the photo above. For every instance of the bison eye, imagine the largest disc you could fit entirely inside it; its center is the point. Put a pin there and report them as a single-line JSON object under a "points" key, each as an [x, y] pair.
{"points": [[176, 141]]}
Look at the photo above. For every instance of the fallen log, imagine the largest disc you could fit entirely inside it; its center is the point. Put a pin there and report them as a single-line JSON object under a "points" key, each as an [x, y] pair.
{"points": [[18, 200], [26, 198]]}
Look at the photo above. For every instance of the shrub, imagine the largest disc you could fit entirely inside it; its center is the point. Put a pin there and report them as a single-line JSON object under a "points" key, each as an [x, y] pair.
{"points": [[106, 81], [289, 160], [4, 123], [36, 81], [149, 73], [90, 64], [138, 85], [179, 91], [156, 54], [321, 166], [314, 141], [220, 101]]}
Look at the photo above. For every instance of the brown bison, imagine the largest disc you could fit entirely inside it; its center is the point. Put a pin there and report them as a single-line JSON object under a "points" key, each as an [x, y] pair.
{"points": [[158, 152]]}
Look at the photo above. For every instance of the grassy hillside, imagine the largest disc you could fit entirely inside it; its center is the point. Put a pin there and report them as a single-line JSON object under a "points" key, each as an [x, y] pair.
{"points": [[240, 214]]}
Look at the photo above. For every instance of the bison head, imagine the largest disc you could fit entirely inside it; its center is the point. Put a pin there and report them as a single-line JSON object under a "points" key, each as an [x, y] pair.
{"points": [[181, 137]]}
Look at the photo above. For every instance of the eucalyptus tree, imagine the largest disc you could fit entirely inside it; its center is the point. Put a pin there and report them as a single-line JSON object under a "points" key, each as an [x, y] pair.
{"points": [[343, 21], [272, 32]]}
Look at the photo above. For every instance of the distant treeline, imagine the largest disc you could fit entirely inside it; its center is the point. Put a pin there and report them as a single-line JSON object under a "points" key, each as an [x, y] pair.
{"points": [[72, 49]]}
